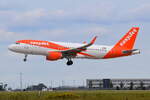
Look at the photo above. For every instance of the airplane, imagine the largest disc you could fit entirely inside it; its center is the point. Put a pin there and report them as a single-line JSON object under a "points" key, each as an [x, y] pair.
{"points": [[58, 50]]}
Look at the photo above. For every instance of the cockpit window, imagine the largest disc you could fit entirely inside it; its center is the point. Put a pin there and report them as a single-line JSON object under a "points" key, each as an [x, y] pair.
{"points": [[17, 43]]}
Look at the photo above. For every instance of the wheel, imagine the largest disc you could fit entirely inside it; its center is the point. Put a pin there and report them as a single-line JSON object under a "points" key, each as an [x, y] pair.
{"points": [[69, 63], [24, 60]]}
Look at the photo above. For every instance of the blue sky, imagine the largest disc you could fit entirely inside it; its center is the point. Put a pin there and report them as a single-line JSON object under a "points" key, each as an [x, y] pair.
{"points": [[72, 21]]}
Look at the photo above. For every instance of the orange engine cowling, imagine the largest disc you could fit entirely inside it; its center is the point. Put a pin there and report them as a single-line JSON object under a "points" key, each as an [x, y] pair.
{"points": [[54, 56]]}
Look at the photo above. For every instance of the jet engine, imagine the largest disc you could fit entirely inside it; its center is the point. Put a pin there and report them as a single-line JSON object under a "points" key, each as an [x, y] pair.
{"points": [[52, 56]]}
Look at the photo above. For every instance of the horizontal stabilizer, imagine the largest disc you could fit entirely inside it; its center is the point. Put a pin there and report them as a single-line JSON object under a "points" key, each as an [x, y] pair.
{"points": [[134, 51]]}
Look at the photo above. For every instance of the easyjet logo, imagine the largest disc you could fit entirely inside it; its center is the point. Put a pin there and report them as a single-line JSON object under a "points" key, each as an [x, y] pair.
{"points": [[39, 43], [128, 37]]}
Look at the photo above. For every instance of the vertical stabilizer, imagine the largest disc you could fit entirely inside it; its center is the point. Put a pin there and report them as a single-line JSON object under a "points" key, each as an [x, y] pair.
{"points": [[125, 43]]}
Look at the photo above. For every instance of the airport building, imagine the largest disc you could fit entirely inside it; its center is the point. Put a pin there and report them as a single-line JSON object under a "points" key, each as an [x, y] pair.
{"points": [[118, 83]]}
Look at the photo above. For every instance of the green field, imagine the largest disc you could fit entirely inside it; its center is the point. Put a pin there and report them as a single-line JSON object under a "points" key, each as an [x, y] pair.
{"points": [[77, 95]]}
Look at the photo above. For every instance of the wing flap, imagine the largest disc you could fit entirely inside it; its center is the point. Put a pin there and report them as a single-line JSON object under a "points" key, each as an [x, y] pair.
{"points": [[74, 51]]}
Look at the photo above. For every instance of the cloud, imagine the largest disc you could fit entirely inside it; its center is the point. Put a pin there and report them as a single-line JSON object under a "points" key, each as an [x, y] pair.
{"points": [[139, 13], [56, 32], [63, 22], [48, 33], [96, 30], [37, 23], [41, 16], [11, 5], [9, 36], [29, 18], [105, 13]]}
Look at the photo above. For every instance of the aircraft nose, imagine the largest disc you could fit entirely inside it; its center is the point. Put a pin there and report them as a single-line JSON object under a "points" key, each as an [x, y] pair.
{"points": [[11, 47]]}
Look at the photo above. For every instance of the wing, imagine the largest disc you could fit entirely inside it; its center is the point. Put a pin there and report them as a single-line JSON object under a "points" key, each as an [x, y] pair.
{"points": [[74, 51]]}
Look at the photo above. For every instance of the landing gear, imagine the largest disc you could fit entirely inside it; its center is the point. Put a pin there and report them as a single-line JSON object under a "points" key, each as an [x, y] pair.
{"points": [[25, 59], [69, 62]]}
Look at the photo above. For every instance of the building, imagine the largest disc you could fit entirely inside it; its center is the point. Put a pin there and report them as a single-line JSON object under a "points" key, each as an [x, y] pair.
{"points": [[118, 83]]}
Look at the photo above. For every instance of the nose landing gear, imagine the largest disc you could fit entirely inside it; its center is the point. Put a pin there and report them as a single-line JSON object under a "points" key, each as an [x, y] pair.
{"points": [[25, 59]]}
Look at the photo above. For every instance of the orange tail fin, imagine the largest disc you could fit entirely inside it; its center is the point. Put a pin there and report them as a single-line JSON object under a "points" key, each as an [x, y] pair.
{"points": [[126, 43]]}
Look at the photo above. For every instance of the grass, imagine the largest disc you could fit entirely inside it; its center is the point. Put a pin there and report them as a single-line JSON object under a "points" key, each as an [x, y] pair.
{"points": [[77, 95]]}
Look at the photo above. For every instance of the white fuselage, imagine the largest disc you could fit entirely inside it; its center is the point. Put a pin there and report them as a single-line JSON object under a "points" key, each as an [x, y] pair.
{"points": [[98, 51]]}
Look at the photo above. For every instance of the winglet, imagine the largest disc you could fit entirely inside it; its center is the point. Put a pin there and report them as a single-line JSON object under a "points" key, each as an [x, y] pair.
{"points": [[93, 40]]}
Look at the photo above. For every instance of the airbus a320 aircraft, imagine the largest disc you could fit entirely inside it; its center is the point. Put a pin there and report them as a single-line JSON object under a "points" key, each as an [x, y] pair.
{"points": [[58, 50]]}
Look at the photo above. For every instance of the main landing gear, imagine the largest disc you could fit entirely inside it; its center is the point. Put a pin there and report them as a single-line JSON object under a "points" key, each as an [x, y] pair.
{"points": [[69, 62], [25, 58]]}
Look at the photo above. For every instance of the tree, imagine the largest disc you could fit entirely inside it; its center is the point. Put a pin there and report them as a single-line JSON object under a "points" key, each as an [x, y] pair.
{"points": [[111, 85], [3, 87], [131, 85], [117, 88], [41, 86], [90, 84], [38, 87], [121, 85], [142, 85], [100, 85]]}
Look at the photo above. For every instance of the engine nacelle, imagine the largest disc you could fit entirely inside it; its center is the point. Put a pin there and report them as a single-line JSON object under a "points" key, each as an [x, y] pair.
{"points": [[54, 56]]}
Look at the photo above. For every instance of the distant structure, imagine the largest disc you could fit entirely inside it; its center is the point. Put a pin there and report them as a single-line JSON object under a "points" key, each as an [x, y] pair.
{"points": [[39, 87], [3, 86], [20, 81], [118, 84]]}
